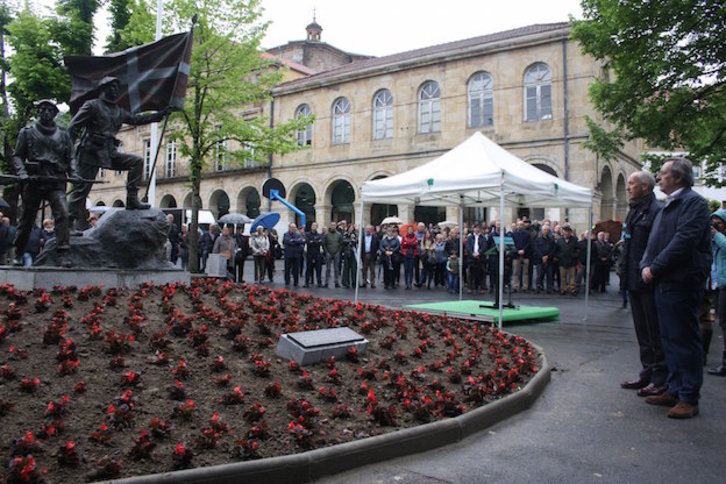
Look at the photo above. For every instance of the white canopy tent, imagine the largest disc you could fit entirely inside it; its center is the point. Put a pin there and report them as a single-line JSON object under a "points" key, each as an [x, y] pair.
{"points": [[477, 172]]}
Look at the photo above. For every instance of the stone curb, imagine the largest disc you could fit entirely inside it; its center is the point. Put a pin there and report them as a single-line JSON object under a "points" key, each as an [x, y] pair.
{"points": [[319, 463]]}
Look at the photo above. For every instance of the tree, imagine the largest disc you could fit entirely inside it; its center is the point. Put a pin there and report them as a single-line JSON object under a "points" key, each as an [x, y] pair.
{"points": [[669, 67], [5, 19], [36, 65], [227, 74], [74, 29], [141, 26], [120, 16]]}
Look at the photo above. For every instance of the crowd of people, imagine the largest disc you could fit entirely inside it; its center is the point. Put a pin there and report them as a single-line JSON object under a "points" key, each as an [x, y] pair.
{"points": [[670, 258], [37, 238], [545, 256]]}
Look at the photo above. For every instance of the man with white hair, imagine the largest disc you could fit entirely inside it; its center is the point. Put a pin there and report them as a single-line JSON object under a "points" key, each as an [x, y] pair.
{"points": [[636, 230]]}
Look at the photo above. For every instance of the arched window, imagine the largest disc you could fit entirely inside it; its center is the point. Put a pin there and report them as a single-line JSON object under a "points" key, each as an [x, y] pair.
{"points": [[481, 100], [537, 92], [341, 121], [383, 115], [304, 136], [429, 108]]}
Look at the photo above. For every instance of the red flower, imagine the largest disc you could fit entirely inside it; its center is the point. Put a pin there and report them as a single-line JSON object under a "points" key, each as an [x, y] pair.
{"points": [[181, 371], [218, 364], [273, 390], [185, 410], [29, 385], [142, 446], [6, 372], [223, 380], [67, 455], [182, 456], [234, 398], [131, 378]]}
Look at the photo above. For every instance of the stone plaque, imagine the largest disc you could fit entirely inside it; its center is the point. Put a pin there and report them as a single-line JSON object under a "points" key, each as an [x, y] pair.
{"points": [[325, 337], [307, 347]]}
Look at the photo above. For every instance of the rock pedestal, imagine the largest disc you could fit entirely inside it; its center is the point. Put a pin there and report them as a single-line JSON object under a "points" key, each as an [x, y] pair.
{"points": [[122, 239]]}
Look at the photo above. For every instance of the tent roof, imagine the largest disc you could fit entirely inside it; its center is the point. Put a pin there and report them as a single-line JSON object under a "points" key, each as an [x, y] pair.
{"points": [[478, 170]]}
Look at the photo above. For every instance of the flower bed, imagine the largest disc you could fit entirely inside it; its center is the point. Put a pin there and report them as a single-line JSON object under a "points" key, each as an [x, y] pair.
{"points": [[112, 383]]}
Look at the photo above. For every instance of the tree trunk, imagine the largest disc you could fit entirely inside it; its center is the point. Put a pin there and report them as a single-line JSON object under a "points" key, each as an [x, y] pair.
{"points": [[195, 166]]}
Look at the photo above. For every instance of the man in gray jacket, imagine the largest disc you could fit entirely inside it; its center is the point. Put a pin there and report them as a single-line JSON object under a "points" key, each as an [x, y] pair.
{"points": [[332, 247]]}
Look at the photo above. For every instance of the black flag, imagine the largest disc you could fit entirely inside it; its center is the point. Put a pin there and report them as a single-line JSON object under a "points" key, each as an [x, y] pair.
{"points": [[153, 76]]}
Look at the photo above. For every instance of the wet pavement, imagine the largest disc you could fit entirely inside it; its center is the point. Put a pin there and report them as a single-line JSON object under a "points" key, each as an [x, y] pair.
{"points": [[584, 428]]}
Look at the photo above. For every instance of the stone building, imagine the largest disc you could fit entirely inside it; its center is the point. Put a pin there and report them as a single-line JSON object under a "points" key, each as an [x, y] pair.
{"points": [[526, 89]]}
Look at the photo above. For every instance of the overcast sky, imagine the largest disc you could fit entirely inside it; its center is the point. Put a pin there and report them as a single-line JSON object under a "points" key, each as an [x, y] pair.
{"points": [[382, 27]]}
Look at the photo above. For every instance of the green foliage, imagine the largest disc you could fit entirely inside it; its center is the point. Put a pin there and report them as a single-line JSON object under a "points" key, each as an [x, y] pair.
{"points": [[668, 67], [36, 66], [74, 29], [605, 143], [120, 16], [141, 26], [713, 205], [228, 75]]}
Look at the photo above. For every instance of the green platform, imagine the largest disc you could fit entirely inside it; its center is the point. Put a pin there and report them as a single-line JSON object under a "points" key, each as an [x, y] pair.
{"points": [[469, 309]]}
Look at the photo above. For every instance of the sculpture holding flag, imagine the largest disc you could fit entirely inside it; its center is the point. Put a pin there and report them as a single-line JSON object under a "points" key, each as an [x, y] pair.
{"points": [[113, 90]]}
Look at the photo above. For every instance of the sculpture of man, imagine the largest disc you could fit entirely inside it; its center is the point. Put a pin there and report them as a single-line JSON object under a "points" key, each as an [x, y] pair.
{"points": [[43, 152], [102, 118]]}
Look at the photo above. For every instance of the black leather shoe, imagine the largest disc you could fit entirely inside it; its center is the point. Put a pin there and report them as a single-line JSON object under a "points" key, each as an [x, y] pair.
{"points": [[718, 371], [636, 384], [652, 389]]}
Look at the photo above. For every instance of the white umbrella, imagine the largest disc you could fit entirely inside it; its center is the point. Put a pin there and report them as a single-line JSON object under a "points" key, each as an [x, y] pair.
{"points": [[235, 218], [99, 209], [447, 223], [392, 221]]}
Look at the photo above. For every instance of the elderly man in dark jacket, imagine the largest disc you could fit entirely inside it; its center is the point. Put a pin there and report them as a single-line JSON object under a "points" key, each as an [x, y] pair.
{"points": [[545, 249], [636, 230], [294, 243], [566, 254], [677, 260], [314, 242]]}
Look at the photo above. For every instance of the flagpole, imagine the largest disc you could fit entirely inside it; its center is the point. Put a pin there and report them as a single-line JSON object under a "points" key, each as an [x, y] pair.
{"points": [[156, 148], [151, 187]]}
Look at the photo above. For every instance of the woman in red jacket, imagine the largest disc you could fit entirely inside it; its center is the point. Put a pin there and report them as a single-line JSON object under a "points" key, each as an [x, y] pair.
{"points": [[409, 250]]}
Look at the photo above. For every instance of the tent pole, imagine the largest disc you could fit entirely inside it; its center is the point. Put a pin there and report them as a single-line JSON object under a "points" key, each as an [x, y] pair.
{"points": [[358, 258], [461, 248], [587, 269], [502, 231]]}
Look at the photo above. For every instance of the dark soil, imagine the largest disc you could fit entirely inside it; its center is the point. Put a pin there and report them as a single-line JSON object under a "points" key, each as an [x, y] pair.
{"points": [[418, 368]]}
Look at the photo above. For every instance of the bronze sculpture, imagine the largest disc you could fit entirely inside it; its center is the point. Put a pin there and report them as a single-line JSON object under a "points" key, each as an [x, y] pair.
{"points": [[43, 162], [100, 120]]}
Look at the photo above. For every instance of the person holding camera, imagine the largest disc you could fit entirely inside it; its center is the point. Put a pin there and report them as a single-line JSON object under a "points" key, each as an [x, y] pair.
{"points": [[718, 230]]}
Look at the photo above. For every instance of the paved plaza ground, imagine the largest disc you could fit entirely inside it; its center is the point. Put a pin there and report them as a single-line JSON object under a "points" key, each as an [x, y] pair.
{"points": [[584, 428]]}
